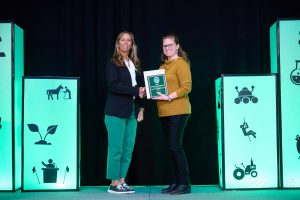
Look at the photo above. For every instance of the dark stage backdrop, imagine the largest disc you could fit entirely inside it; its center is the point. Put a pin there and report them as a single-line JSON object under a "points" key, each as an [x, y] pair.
{"points": [[76, 38]]}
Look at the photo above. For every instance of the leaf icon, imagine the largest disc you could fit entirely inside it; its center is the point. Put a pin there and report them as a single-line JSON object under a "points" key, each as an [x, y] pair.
{"points": [[51, 129], [33, 127]]}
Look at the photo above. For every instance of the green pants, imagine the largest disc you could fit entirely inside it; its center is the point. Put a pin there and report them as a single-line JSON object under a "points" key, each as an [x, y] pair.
{"points": [[121, 139]]}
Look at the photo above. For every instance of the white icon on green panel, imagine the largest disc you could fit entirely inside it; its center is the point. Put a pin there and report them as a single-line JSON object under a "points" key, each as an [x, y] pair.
{"points": [[50, 170], [295, 74], [298, 144], [2, 54], [240, 173], [244, 128], [57, 91], [245, 95], [50, 130]]}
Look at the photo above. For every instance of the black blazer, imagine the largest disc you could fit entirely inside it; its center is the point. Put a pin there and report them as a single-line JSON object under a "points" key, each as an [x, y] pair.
{"points": [[120, 100]]}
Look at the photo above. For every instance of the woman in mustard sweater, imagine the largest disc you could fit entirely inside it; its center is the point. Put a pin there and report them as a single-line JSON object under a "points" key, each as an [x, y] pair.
{"points": [[174, 110]]}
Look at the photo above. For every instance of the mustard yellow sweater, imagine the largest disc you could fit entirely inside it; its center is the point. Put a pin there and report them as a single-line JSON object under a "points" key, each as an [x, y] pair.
{"points": [[179, 80]]}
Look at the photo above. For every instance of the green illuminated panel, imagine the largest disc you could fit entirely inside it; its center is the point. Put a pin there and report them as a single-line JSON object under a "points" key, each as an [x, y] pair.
{"points": [[273, 48], [50, 134], [250, 133], [19, 72], [6, 107], [218, 93], [11, 37], [289, 44]]}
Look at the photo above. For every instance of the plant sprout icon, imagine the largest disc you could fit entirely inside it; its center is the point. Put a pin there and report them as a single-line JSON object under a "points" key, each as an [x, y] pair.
{"points": [[50, 130]]}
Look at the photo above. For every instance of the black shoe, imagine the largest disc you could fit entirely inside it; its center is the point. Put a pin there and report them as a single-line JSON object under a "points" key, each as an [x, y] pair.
{"points": [[181, 189], [126, 187], [169, 189], [118, 189]]}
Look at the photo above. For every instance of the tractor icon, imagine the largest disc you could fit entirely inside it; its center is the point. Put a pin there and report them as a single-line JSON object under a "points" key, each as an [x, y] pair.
{"points": [[245, 95], [239, 173]]}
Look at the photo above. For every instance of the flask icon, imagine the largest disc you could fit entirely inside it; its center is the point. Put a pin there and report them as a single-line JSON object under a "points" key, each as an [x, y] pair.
{"points": [[295, 74]]}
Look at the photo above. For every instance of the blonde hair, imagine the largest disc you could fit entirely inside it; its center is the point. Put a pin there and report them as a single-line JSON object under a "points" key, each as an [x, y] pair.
{"points": [[117, 56], [181, 52]]}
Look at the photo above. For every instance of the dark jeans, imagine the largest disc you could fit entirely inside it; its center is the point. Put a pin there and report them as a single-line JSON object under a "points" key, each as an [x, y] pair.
{"points": [[174, 126]]}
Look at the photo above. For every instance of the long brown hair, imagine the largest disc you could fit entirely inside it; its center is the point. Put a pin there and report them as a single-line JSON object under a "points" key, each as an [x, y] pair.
{"points": [[181, 52], [117, 57]]}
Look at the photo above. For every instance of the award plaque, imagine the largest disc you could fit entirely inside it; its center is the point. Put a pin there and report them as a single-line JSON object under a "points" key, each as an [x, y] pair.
{"points": [[155, 82]]}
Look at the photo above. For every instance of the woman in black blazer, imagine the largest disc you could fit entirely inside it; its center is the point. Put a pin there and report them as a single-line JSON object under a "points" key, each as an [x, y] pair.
{"points": [[123, 110]]}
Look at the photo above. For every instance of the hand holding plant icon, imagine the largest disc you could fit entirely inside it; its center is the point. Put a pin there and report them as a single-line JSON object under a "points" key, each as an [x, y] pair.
{"points": [[50, 130]]}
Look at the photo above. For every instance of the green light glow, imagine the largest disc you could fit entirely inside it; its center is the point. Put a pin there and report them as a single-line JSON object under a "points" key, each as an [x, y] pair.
{"points": [[8, 84], [19, 72], [219, 128], [273, 48], [288, 32], [250, 133], [50, 134]]}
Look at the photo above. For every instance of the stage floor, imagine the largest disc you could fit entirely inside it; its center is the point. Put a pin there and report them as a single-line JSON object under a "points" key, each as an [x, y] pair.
{"points": [[210, 192]]}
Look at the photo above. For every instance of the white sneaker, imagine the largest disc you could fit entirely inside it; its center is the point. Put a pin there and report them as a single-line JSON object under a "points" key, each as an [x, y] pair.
{"points": [[129, 189], [117, 189]]}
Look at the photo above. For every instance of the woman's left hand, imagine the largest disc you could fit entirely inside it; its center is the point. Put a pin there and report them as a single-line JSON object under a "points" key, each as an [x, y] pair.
{"points": [[162, 97]]}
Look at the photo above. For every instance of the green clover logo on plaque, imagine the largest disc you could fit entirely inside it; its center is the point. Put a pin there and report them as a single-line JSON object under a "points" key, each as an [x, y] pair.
{"points": [[157, 84]]}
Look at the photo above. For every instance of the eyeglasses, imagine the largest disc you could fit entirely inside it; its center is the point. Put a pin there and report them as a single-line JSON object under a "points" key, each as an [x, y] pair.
{"points": [[168, 46]]}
